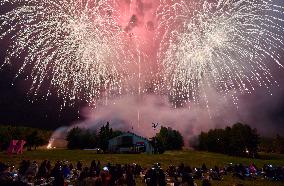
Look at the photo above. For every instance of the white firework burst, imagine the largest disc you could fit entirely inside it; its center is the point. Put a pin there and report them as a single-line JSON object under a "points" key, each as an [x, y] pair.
{"points": [[224, 44], [72, 46]]}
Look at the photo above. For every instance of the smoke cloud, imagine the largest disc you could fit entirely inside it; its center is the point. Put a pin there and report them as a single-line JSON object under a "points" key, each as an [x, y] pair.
{"points": [[136, 114]]}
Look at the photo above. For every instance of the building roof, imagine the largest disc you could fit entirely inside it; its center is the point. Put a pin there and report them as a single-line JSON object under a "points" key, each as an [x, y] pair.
{"points": [[132, 134]]}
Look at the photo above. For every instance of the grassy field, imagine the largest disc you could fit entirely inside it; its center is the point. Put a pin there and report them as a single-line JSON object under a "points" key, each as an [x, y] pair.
{"points": [[192, 158]]}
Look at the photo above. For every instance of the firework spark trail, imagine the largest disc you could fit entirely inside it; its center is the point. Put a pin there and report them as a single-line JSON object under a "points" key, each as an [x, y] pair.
{"points": [[74, 46], [226, 44]]}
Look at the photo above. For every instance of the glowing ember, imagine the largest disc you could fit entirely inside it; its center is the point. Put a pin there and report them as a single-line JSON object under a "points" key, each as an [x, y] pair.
{"points": [[49, 146]]}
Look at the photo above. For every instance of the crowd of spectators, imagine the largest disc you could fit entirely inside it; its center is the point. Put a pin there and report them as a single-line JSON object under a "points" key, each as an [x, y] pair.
{"points": [[65, 173]]}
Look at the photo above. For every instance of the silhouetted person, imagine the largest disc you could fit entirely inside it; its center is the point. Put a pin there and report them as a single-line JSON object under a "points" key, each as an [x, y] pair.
{"points": [[79, 166]]}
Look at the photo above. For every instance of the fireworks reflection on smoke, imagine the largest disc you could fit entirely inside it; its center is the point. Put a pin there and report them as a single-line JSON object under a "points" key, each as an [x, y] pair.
{"points": [[225, 44], [75, 47]]}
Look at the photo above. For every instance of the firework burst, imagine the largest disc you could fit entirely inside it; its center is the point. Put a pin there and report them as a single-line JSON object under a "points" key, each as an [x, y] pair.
{"points": [[75, 47], [225, 44], [78, 49]]}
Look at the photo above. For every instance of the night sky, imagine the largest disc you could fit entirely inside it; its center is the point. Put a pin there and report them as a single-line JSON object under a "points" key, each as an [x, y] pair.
{"points": [[18, 107]]}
